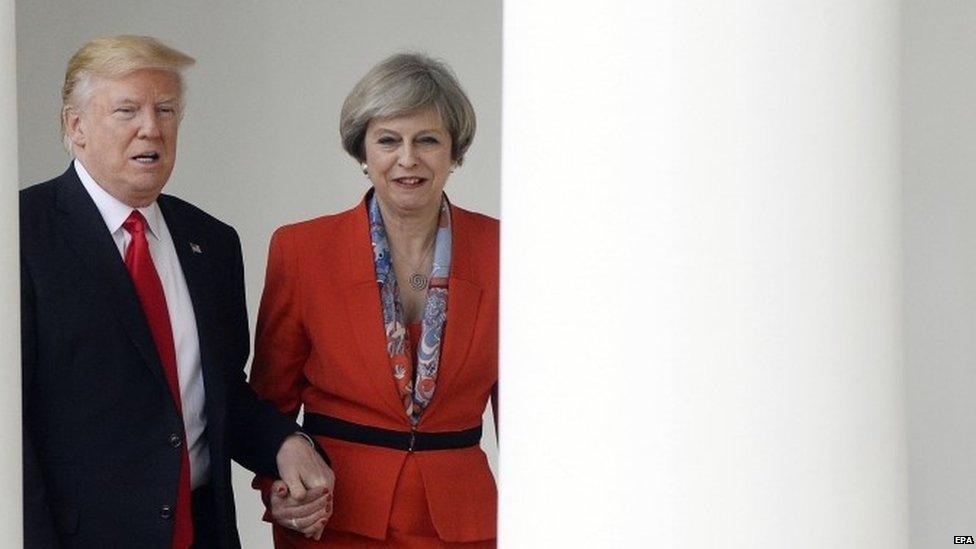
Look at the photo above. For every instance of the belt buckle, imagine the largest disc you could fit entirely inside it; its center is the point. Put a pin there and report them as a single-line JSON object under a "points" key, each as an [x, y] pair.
{"points": [[413, 440]]}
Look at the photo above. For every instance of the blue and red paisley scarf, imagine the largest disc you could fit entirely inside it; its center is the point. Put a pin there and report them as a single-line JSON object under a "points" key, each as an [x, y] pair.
{"points": [[415, 386]]}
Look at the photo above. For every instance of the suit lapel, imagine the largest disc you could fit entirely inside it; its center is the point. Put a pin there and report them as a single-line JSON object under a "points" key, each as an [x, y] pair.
{"points": [[464, 297], [362, 300], [195, 264], [191, 263], [86, 233]]}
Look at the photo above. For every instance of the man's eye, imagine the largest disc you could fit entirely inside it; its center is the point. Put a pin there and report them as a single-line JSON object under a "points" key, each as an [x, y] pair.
{"points": [[166, 110], [125, 110]]}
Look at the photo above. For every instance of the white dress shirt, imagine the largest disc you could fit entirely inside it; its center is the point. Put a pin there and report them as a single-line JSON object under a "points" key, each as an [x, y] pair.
{"points": [[180, 308]]}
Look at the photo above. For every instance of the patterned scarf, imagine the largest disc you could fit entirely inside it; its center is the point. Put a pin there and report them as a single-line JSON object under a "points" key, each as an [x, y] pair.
{"points": [[414, 387]]}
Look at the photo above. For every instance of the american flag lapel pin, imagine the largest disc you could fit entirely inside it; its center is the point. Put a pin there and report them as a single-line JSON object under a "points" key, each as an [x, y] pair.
{"points": [[196, 248]]}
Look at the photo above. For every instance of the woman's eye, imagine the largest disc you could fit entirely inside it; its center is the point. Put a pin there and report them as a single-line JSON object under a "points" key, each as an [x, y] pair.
{"points": [[386, 141], [429, 140]]}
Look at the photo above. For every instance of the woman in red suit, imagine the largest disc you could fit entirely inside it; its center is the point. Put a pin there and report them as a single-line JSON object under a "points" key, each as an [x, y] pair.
{"points": [[382, 322]]}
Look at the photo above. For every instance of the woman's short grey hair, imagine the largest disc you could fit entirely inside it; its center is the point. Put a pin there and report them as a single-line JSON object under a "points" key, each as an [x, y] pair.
{"points": [[402, 84]]}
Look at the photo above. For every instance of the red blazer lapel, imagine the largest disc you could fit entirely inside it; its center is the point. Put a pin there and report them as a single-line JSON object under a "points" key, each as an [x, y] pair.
{"points": [[462, 308], [361, 297], [362, 307]]}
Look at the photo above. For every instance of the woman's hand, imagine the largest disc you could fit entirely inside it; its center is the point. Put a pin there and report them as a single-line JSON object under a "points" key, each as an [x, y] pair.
{"points": [[302, 499], [308, 515]]}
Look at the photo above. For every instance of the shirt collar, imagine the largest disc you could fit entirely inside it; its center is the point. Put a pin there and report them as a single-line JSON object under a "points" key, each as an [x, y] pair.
{"points": [[115, 212]]}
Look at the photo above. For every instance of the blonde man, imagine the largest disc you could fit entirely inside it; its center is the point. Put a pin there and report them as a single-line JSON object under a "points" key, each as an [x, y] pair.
{"points": [[135, 332]]}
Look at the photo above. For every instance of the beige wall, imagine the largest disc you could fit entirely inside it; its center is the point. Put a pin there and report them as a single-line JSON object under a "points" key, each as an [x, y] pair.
{"points": [[259, 146], [939, 163]]}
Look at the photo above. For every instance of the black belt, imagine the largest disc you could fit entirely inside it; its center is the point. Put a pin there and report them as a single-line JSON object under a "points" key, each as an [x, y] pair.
{"points": [[411, 441]]}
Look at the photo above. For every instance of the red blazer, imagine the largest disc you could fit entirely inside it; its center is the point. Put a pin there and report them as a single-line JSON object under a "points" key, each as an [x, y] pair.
{"points": [[321, 343]]}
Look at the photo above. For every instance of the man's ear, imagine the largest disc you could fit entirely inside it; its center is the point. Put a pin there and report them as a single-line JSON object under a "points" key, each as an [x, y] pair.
{"points": [[73, 126]]}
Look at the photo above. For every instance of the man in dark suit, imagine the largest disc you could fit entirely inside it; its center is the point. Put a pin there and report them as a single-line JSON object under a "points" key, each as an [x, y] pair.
{"points": [[135, 333]]}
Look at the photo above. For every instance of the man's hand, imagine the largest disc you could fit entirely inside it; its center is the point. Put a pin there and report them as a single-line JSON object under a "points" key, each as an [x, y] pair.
{"points": [[302, 499]]}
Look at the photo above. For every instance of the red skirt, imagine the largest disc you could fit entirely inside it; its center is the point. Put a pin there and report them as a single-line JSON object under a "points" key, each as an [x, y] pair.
{"points": [[410, 523]]}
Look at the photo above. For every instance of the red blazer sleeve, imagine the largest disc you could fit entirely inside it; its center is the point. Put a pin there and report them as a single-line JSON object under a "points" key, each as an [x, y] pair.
{"points": [[281, 346]]}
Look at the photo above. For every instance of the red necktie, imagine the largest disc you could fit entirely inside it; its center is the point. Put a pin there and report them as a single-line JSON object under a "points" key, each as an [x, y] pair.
{"points": [[153, 300]]}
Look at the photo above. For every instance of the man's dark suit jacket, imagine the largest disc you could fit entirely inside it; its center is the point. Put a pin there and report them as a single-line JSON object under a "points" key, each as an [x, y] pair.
{"points": [[102, 435]]}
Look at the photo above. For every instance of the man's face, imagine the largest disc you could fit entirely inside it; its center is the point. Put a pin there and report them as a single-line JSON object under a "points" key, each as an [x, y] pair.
{"points": [[126, 135]]}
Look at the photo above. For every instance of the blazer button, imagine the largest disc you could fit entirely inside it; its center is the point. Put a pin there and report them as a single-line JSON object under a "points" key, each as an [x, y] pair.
{"points": [[175, 440], [166, 512]]}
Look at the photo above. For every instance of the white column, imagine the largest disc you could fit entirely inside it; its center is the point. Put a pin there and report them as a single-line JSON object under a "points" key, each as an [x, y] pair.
{"points": [[701, 289], [11, 529]]}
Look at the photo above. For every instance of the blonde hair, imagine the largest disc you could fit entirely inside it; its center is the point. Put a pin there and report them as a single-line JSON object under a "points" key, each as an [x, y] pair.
{"points": [[401, 84], [113, 57]]}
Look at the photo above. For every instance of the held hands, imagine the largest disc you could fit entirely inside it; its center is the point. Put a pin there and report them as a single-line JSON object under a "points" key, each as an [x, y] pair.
{"points": [[308, 516], [302, 499]]}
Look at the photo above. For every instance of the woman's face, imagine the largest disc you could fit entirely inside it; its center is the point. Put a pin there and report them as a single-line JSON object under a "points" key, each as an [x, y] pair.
{"points": [[409, 159]]}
